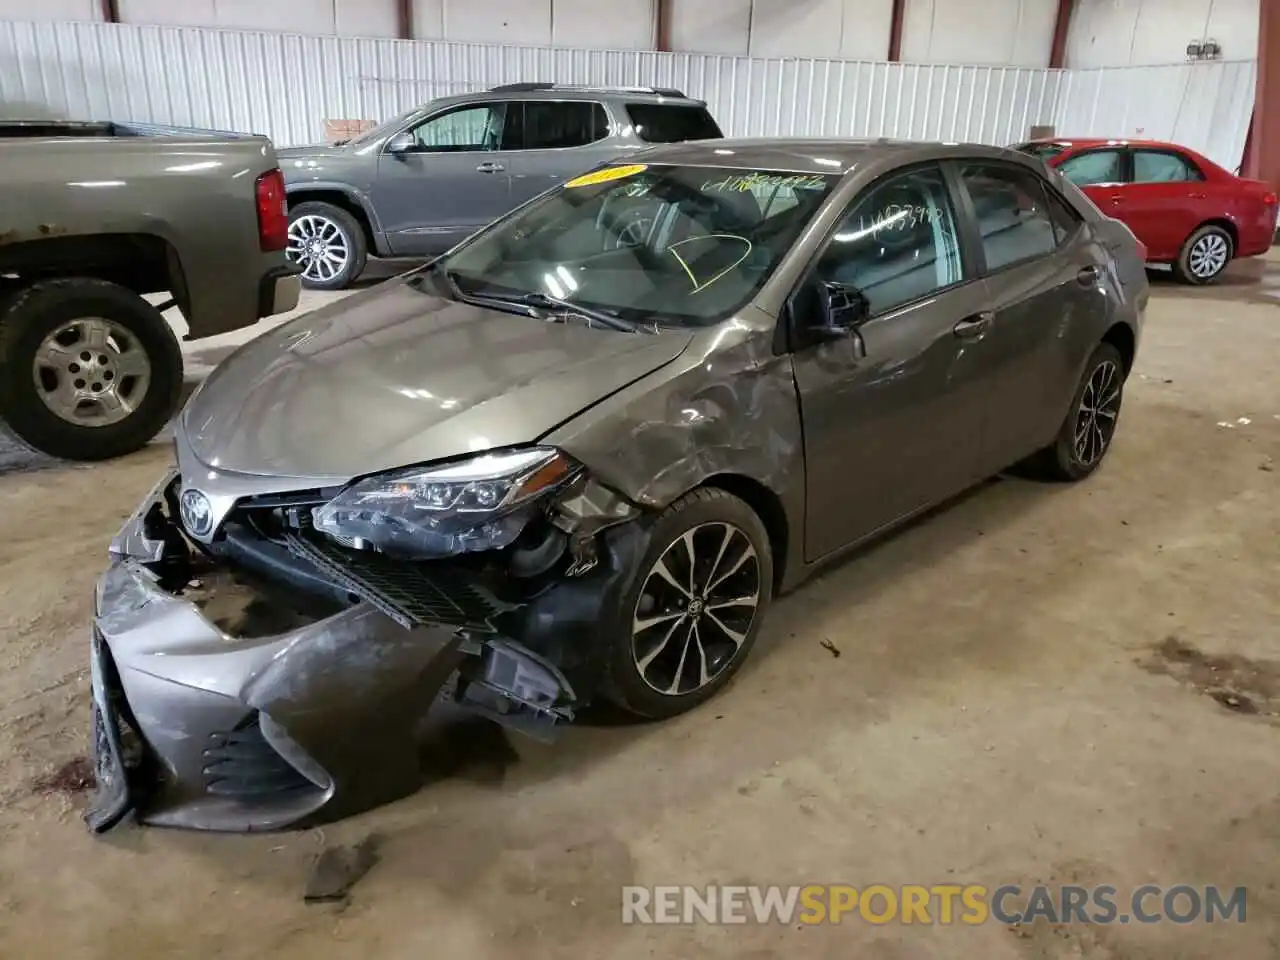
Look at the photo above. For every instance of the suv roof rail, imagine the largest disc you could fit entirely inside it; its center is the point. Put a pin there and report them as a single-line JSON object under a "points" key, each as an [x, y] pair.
{"points": [[530, 87]]}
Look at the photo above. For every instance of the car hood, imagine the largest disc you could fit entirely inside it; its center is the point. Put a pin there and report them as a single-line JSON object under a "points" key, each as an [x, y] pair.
{"points": [[394, 376]]}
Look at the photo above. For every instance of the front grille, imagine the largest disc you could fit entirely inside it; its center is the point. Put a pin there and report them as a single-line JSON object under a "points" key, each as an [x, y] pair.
{"points": [[240, 763], [411, 593]]}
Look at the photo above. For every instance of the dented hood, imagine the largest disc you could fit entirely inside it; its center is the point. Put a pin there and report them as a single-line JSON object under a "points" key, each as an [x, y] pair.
{"points": [[395, 376]]}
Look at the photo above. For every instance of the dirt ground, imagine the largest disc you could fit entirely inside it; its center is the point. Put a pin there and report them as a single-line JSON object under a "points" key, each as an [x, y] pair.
{"points": [[1037, 684]]}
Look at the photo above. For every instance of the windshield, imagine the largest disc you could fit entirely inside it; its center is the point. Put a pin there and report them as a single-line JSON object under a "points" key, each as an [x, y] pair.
{"points": [[667, 244], [1043, 151]]}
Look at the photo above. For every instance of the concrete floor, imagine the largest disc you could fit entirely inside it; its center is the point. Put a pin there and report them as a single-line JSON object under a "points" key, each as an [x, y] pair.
{"points": [[1025, 692]]}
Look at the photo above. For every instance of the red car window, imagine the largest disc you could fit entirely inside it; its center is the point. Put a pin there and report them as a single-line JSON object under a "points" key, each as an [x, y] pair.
{"points": [[1093, 167], [1163, 166]]}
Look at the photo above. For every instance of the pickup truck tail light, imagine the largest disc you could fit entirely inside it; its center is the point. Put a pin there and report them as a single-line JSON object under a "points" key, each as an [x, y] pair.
{"points": [[273, 212]]}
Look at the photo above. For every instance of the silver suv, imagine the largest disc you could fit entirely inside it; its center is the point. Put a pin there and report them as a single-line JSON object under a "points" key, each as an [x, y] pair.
{"points": [[421, 182]]}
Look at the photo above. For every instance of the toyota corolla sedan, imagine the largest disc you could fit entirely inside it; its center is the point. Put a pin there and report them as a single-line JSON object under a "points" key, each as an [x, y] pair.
{"points": [[577, 456]]}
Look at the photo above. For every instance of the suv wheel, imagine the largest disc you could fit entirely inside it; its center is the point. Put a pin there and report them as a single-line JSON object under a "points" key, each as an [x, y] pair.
{"points": [[88, 369], [1204, 256], [694, 606], [327, 243]]}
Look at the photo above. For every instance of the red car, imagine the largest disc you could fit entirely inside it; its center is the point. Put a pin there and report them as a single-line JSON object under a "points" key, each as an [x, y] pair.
{"points": [[1186, 210]]}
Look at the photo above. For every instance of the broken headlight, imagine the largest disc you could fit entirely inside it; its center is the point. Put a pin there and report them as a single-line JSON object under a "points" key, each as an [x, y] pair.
{"points": [[477, 504]]}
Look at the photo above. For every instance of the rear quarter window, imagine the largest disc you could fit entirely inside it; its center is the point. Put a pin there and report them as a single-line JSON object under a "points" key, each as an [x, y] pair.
{"points": [[672, 123]]}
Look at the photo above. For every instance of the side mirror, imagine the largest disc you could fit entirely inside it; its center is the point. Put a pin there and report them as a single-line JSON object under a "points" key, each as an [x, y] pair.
{"points": [[842, 310], [400, 144]]}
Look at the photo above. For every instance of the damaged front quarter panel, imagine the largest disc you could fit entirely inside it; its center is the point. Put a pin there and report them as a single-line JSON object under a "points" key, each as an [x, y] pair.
{"points": [[726, 412]]}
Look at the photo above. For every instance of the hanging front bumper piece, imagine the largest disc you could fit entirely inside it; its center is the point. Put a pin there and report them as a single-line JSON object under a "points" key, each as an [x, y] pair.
{"points": [[267, 682]]}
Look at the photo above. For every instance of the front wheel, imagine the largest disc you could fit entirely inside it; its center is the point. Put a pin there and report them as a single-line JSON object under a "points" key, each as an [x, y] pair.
{"points": [[694, 607], [327, 243], [1204, 256], [1090, 426], [88, 369]]}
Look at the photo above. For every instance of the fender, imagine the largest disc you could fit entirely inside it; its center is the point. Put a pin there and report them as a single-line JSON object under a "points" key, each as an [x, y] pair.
{"points": [[353, 193]]}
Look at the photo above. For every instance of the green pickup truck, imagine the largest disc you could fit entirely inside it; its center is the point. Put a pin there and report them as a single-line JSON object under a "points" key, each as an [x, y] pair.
{"points": [[93, 216]]}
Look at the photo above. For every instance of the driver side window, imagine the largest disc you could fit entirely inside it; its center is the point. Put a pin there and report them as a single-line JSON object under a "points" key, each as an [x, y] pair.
{"points": [[897, 243], [473, 129]]}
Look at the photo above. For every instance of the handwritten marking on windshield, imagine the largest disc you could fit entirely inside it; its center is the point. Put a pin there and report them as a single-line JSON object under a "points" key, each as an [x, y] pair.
{"points": [[699, 287], [745, 183]]}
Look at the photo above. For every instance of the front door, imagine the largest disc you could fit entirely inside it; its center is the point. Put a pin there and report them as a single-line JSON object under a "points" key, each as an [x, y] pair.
{"points": [[559, 140], [1101, 172], [446, 178], [1041, 266], [891, 419]]}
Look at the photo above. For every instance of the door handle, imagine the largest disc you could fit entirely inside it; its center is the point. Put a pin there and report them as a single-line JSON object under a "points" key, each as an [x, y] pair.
{"points": [[1087, 276], [1199, 196], [490, 167], [974, 326]]}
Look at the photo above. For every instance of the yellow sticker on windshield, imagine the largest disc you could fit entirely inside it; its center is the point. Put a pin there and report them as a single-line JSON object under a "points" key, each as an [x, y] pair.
{"points": [[607, 174]]}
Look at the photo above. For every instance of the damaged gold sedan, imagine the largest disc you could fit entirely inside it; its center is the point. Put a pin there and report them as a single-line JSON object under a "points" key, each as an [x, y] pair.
{"points": [[577, 456]]}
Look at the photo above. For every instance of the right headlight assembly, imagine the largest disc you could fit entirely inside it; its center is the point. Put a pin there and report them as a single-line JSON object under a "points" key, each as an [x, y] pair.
{"points": [[478, 504]]}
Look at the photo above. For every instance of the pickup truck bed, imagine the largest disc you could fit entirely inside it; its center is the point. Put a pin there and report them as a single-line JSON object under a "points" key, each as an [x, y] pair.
{"points": [[93, 216]]}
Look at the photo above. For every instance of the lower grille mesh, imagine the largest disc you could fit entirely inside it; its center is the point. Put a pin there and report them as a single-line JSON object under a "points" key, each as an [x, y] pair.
{"points": [[412, 594]]}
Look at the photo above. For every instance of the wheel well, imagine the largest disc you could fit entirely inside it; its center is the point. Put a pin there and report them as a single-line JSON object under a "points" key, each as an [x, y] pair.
{"points": [[141, 262], [1121, 337], [1228, 226], [768, 508], [338, 199]]}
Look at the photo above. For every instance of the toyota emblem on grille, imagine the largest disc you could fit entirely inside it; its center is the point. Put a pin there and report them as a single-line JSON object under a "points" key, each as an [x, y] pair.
{"points": [[197, 512]]}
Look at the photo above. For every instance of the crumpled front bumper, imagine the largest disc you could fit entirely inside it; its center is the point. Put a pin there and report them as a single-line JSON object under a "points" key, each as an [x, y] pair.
{"points": [[193, 727]]}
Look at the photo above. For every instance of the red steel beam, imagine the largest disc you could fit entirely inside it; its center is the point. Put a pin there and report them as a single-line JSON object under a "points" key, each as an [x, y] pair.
{"points": [[110, 11], [895, 30], [1061, 29], [662, 25], [1263, 160], [404, 19]]}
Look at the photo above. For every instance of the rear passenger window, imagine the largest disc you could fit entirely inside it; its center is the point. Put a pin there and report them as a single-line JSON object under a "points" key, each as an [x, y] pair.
{"points": [[554, 124], [1093, 168], [1161, 166], [1012, 213], [663, 123], [897, 243]]}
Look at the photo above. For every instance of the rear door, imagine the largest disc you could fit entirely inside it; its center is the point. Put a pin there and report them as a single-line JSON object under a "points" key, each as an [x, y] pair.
{"points": [[893, 427], [558, 139], [1166, 199], [450, 182], [1040, 266]]}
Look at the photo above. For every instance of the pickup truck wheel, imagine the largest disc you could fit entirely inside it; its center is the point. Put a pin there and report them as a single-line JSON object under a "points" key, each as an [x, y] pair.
{"points": [[88, 369], [694, 606], [327, 243]]}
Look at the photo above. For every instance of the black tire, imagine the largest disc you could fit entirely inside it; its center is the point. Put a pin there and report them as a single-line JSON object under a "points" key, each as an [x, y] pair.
{"points": [[30, 315], [705, 515], [352, 235], [1190, 271], [1062, 460]]}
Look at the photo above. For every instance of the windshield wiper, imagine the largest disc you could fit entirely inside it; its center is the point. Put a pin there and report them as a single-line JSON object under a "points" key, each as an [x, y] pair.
{"points": [[547, 302], [529, 304]]}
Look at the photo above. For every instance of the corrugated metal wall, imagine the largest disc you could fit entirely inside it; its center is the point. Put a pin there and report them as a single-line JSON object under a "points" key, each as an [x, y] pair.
{"points": [[286, 86]]}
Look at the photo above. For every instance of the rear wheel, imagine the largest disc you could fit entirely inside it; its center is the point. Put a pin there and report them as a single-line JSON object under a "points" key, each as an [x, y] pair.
{"points": [[1205, 255], [694, 607], [327, 243], [1090, 426], [88, 369]]}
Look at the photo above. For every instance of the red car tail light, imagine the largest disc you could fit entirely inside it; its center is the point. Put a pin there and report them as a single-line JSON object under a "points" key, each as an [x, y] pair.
{"points": [[273, 212], [1269, 199]]}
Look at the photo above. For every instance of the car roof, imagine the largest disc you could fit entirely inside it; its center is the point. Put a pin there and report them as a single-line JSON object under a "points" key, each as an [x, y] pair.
{"points": [[1107, 142], [555, 91], [814, 155]]}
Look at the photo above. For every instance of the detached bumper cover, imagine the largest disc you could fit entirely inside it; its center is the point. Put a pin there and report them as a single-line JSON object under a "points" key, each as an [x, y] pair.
{"points": [[195, 728]]}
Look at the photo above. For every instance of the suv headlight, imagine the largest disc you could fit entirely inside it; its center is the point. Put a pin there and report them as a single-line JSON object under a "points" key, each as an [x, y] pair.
{"points": [[477, 504]]}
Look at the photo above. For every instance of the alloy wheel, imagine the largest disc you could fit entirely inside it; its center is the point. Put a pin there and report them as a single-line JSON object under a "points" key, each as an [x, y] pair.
{"points": [[91, 372], [319, 246], [696, 607], [1208, 256], [1095, 422]]}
